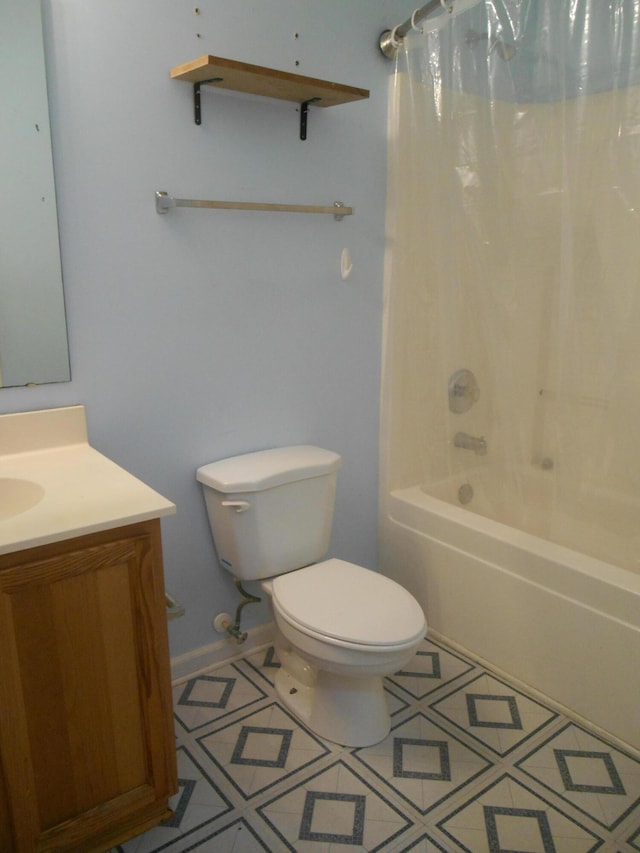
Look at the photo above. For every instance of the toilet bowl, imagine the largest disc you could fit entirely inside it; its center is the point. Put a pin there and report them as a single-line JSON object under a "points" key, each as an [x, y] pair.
{"points": [[340, 628]]}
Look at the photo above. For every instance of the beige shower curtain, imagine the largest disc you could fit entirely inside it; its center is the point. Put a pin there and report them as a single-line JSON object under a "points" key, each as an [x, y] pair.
{"points": [[514, 252]]}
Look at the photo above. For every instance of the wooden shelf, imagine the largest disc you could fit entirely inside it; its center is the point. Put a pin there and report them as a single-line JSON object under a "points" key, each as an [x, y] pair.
{"points": [[267, 82], [256, 80]]}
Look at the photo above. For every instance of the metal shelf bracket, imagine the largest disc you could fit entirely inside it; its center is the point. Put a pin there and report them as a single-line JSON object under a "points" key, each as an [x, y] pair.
{"points": [[197, 109], [197, 105], [304, 109]]}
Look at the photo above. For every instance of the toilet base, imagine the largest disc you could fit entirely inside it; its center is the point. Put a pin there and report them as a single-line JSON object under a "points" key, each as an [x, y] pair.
{"points": [[345, 710]]}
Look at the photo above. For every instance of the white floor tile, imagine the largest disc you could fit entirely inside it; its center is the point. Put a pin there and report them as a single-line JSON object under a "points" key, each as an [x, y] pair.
{"points": [[471, 764]]}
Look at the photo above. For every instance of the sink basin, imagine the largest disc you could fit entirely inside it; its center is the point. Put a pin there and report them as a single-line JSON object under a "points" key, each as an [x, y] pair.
{"points": [[54, 486], [18, 496]]}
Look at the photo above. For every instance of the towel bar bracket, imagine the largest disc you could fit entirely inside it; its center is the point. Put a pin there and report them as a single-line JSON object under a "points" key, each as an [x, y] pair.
{"points": [[163, 202], [339, 215]]}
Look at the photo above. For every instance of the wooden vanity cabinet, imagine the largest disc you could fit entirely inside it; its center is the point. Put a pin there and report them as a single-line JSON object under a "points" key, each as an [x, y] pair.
{"points": [[87, 745]]}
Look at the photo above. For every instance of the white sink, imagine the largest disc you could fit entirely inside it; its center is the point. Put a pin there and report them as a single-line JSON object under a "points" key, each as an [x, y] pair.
{"points": [[17, 495]]}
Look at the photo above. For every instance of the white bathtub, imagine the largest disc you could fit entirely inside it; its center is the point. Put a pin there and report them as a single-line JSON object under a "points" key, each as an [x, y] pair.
{"points": [[566, 624]]}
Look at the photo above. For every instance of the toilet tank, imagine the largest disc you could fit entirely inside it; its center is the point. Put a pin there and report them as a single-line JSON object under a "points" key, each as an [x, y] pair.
{"points": [[271, 511]]}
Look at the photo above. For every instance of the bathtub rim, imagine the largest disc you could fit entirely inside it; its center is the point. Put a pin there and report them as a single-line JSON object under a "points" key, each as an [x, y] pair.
{"points": [[605, 588]]}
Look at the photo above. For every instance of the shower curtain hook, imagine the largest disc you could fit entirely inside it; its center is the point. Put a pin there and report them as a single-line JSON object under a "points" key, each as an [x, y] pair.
{"points": [[414, 26], [392, 38], [447, 5]]}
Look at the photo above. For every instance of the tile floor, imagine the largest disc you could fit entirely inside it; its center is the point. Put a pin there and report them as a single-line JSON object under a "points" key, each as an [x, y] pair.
{"points": [[471, 764]]}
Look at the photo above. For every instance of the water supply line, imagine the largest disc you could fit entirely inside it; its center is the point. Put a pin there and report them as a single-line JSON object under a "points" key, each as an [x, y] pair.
{"points": [[234, 630]]}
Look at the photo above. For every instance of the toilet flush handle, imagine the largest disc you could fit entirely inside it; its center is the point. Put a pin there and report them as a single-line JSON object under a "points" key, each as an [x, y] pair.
{"points": [[239, 506]]}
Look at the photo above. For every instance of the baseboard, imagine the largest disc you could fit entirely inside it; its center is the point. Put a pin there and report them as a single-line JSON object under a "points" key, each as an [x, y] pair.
{"points": [[225, 650], [569, 713]]}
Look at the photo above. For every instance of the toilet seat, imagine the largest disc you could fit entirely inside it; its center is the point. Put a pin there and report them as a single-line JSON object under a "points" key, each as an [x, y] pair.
{"points": [[347, 605]]}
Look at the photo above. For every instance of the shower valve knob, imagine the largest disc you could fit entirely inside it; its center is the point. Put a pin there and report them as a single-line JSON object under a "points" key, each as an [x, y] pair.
{"points": [[463, 391]]}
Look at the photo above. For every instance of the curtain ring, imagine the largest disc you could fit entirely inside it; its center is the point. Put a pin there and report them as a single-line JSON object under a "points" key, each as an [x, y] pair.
{"points": [[447, 5], [392, 38], [414, 26]]}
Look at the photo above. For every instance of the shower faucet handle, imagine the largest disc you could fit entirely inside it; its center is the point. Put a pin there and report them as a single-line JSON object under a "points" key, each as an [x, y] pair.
{"points": [[463, 391]]}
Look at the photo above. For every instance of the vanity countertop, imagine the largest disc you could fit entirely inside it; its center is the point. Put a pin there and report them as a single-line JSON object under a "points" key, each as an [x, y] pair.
{"points": [[56, 486]]}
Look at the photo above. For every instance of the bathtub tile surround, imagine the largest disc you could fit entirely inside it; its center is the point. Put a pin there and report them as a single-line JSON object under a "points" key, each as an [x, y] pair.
{"points": [[472, 764]]}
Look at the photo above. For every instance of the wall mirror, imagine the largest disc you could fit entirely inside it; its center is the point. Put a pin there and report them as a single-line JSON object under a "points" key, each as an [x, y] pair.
{"points": [[33, 331]]}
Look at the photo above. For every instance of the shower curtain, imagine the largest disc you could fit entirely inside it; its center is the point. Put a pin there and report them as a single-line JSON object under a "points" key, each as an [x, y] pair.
{"points": [[514, 253]]}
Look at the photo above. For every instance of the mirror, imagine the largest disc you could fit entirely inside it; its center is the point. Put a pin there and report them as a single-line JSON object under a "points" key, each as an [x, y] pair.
{"points": [[33, 332]]}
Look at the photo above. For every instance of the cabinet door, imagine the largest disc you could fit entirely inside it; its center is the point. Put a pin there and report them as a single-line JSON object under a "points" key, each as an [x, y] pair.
{"points": [[87, 741]]}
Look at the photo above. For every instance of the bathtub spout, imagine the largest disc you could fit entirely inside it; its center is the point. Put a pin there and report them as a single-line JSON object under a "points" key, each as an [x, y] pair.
{"points": [[470, 442]]}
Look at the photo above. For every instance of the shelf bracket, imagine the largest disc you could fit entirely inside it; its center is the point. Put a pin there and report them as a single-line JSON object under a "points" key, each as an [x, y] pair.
{"points": [[304, 109], [197, 111], [197, 105]]}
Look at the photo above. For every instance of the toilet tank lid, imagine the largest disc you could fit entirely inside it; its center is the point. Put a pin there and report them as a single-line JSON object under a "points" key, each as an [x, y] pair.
{"points": [[264, 469]]}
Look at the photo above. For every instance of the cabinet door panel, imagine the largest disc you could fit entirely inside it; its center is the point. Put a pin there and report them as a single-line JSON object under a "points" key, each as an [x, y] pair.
{"points": [[85, 700]]}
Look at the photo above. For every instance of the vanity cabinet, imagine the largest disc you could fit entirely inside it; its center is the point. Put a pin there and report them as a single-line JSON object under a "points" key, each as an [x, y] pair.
{"points": [[87, 746]]}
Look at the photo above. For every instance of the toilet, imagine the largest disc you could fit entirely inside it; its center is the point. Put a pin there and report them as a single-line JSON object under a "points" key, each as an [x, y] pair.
{"points": [[340, 628]]}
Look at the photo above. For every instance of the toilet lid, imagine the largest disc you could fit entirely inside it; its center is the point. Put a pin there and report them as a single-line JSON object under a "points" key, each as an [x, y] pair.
{"points": [[347, 602]]}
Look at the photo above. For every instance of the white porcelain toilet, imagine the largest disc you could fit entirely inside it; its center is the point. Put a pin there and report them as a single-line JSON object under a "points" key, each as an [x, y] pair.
{"points": [[340, 628]]}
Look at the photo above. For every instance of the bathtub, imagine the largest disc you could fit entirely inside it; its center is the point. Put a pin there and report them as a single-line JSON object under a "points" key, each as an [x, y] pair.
{"points": [[565, 624]]}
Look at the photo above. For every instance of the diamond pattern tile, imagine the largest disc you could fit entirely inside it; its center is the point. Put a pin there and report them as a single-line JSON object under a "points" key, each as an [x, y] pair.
{"points": [[494, 713], [472, 763], [208, 698], [261, 749], [264, 663], [431, 668], [199, 802], [422, 763], [335, 806], [582, 769], [237, 837], [508, 817]]}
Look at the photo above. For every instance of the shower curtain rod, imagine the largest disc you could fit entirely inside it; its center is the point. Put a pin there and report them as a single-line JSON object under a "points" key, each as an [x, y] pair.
{"points": [[390, 39]]}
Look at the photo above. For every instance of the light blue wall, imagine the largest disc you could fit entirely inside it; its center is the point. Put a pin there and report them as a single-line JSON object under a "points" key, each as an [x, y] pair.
{"points": [[203, 334]]}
